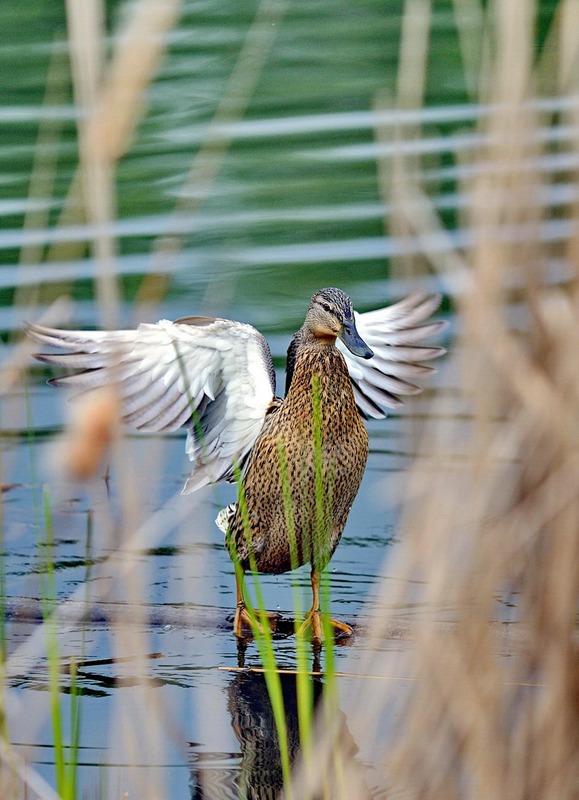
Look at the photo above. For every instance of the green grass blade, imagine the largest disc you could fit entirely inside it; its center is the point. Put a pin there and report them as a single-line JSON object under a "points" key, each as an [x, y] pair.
{"points": [[48, 590], [264, 641]]}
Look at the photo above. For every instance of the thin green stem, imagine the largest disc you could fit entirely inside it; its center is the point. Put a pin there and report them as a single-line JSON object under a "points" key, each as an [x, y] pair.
{"points": [[48, 589], [75, 693], [323, 485], [304, 687], [65, 757], [263, 639]]}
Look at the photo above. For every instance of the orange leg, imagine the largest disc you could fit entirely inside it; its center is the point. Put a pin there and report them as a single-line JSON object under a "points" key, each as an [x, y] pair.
{"points": [[313, 620], [242, 617]]}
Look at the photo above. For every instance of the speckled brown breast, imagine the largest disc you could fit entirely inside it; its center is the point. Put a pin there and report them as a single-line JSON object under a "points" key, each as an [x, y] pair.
{"points": [[303, 473]]}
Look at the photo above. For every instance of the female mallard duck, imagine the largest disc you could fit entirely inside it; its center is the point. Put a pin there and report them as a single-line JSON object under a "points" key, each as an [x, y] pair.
{"points": [[302, 457]]}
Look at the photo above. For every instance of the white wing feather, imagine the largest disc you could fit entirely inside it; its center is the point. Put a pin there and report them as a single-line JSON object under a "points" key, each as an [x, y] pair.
{"points": [[395, 334], [214, 376]]}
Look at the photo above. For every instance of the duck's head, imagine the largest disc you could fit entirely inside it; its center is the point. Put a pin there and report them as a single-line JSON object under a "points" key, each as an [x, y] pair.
{"points": [[331, 315]]}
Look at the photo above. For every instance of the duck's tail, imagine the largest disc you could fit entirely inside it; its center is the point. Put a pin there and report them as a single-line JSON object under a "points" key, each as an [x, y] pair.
{"points": [[225, 516]]}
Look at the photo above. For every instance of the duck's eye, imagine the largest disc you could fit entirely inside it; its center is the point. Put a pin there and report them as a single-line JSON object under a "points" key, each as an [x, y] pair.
{"points": [[326, 307]]}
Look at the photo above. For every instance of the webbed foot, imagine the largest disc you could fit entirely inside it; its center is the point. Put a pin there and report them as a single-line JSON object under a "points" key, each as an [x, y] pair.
{"points": [[313, 623], [243, 620]]}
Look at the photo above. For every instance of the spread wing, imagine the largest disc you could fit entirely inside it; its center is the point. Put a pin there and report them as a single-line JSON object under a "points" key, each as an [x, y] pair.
{"points": [[395, 334], [214, 376]]}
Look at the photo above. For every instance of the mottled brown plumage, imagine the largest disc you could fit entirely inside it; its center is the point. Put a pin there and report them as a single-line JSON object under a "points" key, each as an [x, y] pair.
{"points": [[284, 456]]}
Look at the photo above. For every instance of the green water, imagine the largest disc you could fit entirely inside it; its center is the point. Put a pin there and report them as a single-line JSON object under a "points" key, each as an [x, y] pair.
{"points": [[280, 185]]}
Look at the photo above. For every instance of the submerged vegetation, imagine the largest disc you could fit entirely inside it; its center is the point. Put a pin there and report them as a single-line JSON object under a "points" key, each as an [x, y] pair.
{"points": [[474, 707]]}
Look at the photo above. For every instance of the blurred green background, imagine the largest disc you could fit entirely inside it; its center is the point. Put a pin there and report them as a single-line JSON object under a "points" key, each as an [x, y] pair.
{"points": [[296, 203]]}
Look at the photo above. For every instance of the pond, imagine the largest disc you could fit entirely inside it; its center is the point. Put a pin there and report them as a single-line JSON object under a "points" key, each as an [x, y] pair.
{"points": [[288, 197]]}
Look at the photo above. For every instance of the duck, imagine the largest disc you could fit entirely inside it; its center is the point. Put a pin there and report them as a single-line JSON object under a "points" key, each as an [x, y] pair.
{"points": [[298, 461]]}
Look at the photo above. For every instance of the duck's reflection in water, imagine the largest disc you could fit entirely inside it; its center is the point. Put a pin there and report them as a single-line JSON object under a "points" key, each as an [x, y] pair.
{"points": [[257, 774]]}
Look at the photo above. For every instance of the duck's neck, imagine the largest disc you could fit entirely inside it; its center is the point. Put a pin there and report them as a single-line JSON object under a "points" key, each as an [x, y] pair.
{"points": [[305, 338]]}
